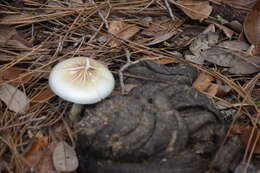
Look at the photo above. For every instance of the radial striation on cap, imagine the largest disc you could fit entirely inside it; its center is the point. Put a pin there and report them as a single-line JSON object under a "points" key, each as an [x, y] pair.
{"points": [[81, 80]]}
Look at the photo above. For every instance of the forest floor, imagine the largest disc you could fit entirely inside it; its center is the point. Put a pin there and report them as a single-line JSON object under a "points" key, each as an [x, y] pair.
{"points": [[220, 38]]}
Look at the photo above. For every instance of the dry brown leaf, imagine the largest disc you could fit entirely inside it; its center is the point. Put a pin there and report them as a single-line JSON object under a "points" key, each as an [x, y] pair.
{"points": [[45, 164], [41, 142], [244, 132], [161, 29], [252, 27], [6, 33], [234, 45], [160, 38], [161, 26], [203, 42], [122, 30], [235, 25], [34, 154], [251, 50], [228, 32], [9, 36], [33, 159], [195, 9], [43, 95], [239, 63], [16, 76], [223, 90], [65, 158], [203, 82], [242, 67], [15, 99], [130, 87], [40, 98], [212, 90], [219, 56], [39, 155], [194, 59]]}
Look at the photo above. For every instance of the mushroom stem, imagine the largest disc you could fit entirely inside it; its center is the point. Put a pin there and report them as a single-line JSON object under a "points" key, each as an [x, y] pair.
{"points": [[75, 111]]}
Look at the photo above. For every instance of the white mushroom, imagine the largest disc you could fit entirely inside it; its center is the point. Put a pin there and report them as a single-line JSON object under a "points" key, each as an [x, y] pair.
{"points": [[81, 80]]}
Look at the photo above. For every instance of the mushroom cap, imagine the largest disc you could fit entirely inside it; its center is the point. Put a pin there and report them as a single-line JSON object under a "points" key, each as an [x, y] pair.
{"points": [[81, 80]]}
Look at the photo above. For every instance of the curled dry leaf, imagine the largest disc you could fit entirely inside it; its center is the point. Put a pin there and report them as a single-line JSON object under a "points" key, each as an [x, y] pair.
{"points": [[212, 90], [195, 9], [203, 82], [122, 30], [223, 90], [252, 27], [210, 28], [227, 31], [15, 99], [239, 63], [251, 50], [65, 158]]}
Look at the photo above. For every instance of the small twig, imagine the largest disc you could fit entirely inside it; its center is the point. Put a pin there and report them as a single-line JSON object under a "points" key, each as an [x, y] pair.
{"points": [[81, 43], [59, 47], [104, 19], [128, 64], [147, 6], [32, 35], [168, 7]]}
